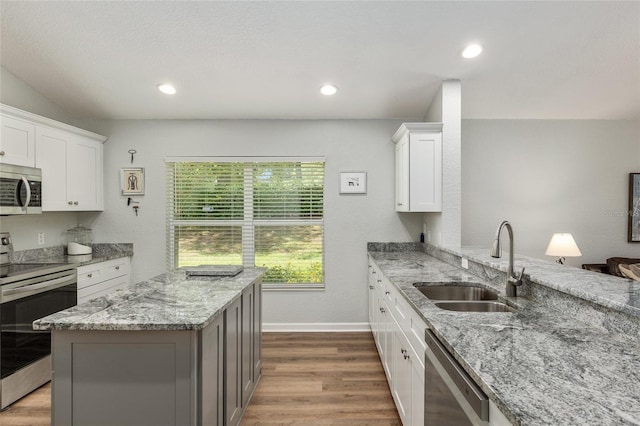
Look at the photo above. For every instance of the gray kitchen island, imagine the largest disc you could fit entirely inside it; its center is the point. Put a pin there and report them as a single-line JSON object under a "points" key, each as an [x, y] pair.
{"points": [[171, 350]]}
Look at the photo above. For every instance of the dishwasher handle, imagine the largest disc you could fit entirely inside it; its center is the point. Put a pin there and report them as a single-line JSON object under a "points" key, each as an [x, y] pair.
{"points": [[465, 384]]}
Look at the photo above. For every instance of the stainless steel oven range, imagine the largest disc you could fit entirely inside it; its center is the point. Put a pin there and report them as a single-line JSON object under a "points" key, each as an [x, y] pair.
{"points": [[29, 291]]}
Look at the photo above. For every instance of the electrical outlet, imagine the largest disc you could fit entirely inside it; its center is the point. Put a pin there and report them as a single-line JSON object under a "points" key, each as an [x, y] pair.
{"points": [[40, 238], [464, 262]]}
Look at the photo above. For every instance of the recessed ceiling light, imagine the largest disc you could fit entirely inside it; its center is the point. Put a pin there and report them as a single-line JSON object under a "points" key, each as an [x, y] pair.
{"points": [[328, 90], [167, 89], [471, 51]]}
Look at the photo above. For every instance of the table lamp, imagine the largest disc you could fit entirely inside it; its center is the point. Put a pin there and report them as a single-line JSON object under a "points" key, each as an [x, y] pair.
{"points": [[562, 245]]}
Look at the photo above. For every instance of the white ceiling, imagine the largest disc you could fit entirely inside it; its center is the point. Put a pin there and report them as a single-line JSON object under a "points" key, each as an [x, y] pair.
{"points": [[542, 60]]}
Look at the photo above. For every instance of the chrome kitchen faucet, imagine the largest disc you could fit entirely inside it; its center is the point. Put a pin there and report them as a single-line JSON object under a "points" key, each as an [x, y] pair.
{"points": [[513, 280]]}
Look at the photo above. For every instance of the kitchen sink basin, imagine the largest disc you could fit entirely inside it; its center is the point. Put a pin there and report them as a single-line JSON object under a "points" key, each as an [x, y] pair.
{"points": [[474, 306], [458, 291]]}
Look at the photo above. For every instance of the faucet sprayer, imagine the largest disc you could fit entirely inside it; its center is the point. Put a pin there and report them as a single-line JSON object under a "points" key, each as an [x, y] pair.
{"points": [[513, 280]]}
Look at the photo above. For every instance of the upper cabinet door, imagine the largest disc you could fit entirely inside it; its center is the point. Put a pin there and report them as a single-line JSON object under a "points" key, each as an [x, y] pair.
{"points": [[84, 174], [425, 172], [17, 142], [71, 171], [51, 157], [418, 165]]}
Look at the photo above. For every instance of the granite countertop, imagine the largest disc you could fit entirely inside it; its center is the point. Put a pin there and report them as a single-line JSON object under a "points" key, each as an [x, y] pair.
{"points": [[540, 366], [167, 302], [605, 290], [101, 253]]}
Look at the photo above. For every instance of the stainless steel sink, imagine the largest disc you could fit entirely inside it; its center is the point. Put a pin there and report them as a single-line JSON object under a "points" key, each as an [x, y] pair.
{"points": [[474, 306], [459, 291]]}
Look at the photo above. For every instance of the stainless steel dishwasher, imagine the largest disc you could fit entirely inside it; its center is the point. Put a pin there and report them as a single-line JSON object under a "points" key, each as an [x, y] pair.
{"points": [[451, 397]]}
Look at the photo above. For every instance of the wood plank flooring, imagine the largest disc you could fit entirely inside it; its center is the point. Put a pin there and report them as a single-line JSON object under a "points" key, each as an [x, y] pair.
{"points": [[307, 379], [32, 410], [321, 379]]}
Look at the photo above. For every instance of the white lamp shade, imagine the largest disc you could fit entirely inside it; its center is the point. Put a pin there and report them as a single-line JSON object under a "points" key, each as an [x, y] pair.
{"points": [[562, 245]]}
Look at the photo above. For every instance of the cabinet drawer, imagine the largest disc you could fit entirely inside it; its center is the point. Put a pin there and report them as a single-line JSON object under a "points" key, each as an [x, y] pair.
{"points": [[91, 274], [415, 332], [401, 310], [102, 288]]}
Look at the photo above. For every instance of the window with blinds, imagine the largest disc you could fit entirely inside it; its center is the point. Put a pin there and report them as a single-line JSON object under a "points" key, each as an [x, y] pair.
{"points": [[253, 213]]}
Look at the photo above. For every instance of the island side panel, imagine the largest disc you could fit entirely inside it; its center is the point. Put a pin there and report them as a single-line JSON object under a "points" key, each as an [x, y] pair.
{"points": [[212, 374], [126, 378]]}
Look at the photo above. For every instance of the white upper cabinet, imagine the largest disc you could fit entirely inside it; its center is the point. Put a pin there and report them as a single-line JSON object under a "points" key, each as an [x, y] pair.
{"points": [[418, 162], [71, 171], [70, 159], [17, 142]]}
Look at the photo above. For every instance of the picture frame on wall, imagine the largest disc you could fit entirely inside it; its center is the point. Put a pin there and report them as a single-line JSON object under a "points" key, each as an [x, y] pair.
{"points": [[634, 207], [353, 182], [132, 180]]}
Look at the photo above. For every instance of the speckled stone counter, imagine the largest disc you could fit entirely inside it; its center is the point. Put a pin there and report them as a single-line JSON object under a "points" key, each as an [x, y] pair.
{"points": [[540, 365], [167, 302], [101, 253]]}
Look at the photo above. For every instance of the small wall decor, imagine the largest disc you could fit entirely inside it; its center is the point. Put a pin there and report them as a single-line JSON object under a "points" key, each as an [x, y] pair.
{"points": [[132, 180], [353, 182], [634, 207]]}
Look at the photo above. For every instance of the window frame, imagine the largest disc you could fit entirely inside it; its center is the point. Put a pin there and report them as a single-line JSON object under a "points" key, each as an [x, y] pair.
{"points": [[248, 223]]}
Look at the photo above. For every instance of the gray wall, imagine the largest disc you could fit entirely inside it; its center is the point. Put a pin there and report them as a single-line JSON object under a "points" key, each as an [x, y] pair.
{"points": [[19, 94], [350, 222], [549, 176]]}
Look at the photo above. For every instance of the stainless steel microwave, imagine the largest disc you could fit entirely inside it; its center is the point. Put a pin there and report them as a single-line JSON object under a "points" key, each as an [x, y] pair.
{"points": [[20, 190]]}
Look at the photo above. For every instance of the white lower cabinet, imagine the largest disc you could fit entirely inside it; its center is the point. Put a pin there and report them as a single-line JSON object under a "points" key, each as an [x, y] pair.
{"points": [[395, 327], [101, 278], [399, 334]]}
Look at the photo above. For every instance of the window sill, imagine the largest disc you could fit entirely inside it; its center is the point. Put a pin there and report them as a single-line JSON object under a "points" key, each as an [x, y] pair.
{"points": [[292, 287]]}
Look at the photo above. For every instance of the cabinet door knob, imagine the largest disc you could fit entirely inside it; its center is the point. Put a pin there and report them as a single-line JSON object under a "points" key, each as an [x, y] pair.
{"points": [[387, 293], [382, 310], [379, 281], [1, 153], [117, 268], [406, 356], [370, 287], [89, 275], [75, 203], [70, 203]]}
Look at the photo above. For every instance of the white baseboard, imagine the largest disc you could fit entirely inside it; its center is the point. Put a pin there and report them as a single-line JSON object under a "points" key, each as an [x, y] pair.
{"points": [[315, 326]]}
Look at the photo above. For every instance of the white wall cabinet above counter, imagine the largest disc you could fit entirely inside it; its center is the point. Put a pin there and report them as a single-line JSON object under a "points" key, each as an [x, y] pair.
{"points": [[70, 158], [17, 142], [418, 162]]}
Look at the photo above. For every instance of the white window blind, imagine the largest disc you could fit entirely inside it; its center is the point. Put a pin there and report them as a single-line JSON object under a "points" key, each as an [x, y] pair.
{"points": [[263, 213]]}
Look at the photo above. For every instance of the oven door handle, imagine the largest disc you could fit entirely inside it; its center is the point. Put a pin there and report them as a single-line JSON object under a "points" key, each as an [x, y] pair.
{"points": [[32, 289]]}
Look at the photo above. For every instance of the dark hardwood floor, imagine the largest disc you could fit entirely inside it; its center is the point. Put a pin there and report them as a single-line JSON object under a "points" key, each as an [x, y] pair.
{"points": [[307, 379]]}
